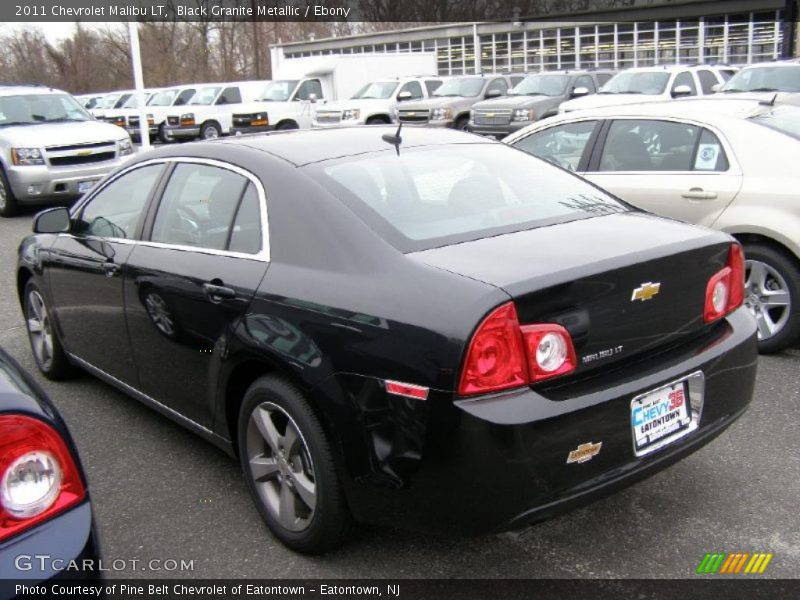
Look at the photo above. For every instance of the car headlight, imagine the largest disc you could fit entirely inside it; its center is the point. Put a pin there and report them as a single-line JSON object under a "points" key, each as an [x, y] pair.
{"points": [[125, 147], [441, 114], [524, 114], [27, 156], [351, 114]]}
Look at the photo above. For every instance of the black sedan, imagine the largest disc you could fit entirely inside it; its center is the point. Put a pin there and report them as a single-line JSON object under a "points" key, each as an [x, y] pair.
{"points": [[46, 525], [427, 329]]}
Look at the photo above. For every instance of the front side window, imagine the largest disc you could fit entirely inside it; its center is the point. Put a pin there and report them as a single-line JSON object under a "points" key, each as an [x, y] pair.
{"points": [[438, 195], [432, 85], [562, 145], [707, 81], [585, 81], [414, 88], [184, 97], [499, 85], [311, 86], [115, 210], [645, 145], [230, 95], [200, 205], [684, 78]]}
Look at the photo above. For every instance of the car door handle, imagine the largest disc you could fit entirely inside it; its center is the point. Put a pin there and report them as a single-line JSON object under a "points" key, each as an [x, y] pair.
{"points": [[699, 194], [216, 293], [110, 269]]}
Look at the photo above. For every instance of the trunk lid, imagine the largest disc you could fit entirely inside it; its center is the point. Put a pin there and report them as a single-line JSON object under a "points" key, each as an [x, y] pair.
{"points": [[592, 277]]}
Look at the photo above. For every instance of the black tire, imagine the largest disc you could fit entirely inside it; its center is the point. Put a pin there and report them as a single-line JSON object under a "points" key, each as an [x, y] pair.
{"points": [[287, 126], [57, 367], [329, 522], [461, 123], [789, 272], [378, 121], [8, 203], [210, 131]]}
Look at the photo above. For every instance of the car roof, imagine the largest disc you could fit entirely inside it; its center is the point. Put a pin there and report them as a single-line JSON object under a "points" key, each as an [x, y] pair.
{"points": [[307, 146], [792, 62], [16, 90]]}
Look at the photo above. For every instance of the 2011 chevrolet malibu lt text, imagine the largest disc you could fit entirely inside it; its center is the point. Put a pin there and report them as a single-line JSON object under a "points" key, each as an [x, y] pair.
{"points": [[421, 327]]}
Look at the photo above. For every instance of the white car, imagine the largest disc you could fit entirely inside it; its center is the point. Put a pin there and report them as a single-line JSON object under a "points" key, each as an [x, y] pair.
{"points": [[653, 84], [159, 105], [209, 114], [109, 102], [730, 165], [375, 102], [763, 80]]}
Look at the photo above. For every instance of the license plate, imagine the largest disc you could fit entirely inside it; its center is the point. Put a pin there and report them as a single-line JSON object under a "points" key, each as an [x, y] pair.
{"points": [[85, 186], [660, 416]]}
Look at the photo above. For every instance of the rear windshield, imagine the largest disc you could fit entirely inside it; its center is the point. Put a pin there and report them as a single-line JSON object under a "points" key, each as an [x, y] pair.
{"points": [[439, 195]]}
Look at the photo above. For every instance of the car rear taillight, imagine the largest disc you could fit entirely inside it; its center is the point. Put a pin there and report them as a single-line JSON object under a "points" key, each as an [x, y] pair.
{"points": [[38, 476], [725, 289], [502, 354]]}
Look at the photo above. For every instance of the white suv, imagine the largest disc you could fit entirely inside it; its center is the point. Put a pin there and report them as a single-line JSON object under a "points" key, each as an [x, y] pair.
{"points": [[375, 103], [51, 149], [654, 84]]}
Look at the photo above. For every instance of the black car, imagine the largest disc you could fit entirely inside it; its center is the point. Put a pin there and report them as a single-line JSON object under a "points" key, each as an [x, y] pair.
{"points": [[46, 525], [428, 329]]}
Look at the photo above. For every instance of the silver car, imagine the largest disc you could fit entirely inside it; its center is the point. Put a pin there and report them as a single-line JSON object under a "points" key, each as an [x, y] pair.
{"points": [[51, 149], [731, 165]]}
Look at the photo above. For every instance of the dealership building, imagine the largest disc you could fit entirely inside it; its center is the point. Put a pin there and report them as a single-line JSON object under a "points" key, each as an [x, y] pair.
{"points": [[643, 33]]}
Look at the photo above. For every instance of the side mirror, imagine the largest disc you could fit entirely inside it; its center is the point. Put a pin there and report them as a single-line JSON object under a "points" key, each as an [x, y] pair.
{"points": [[579, 91], [312, 98], [403, 96], [716, 87], [681, 90], [52, 220], [493, 94]]}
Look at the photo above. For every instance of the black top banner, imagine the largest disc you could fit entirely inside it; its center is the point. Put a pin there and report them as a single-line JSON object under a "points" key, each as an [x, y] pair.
{"points": [[313, 10]]}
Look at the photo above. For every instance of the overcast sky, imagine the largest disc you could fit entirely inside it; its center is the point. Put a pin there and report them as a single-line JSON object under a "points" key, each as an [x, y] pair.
{"points": [[53, 31]]}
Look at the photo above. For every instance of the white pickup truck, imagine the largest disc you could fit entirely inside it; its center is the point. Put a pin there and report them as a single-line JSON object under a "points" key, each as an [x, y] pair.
{"points": [[302, 84], [209, 114]]}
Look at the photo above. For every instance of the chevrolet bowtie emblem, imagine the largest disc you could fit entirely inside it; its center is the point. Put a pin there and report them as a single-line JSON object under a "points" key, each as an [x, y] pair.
{"points": [[489, 114], [84, 152], [411, 114], [584, 452], [646, 291]]}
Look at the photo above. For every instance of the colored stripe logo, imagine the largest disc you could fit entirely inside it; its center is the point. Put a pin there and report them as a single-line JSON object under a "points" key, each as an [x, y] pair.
{"points": [[734, 563]]}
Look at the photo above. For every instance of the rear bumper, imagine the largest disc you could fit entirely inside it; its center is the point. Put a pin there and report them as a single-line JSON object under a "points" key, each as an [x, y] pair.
{"points": [[500, 462], [41, 183], [60, 548]]}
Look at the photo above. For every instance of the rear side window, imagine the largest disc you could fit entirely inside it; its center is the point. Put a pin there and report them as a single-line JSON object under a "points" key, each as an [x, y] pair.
{"points": [[437, 195], [563, 145], [201, 207], [115, 210], [645, 145]]}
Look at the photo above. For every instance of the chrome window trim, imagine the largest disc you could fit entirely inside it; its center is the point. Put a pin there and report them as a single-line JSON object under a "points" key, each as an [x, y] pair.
{"points": [[263, 255]]}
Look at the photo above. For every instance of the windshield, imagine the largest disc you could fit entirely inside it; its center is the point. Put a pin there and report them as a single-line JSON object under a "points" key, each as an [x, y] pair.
{"points": [[30, 109], [463, 86], [132, 101], [547, 85], [108, 101], [163, 98], [376, 90], [765, 79], [785, 119], [439, 195], [650, 83], [278, 91], [205, 96]]}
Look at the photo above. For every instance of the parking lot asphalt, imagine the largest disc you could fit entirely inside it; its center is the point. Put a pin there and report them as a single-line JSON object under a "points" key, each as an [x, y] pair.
{"points": [[162, 493]]}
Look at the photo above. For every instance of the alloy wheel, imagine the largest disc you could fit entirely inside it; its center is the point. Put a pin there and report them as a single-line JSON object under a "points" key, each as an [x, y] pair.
{"points": [[767, 297], [281, 467], [159, 313], [39, 328]]}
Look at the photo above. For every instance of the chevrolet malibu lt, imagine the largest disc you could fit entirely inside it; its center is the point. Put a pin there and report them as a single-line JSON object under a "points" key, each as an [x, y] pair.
{"points": [[425, 328]]}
